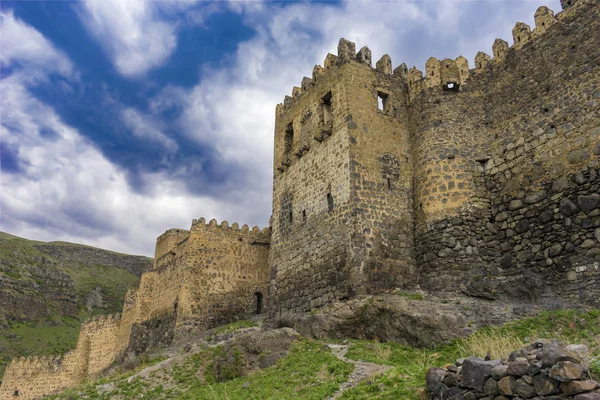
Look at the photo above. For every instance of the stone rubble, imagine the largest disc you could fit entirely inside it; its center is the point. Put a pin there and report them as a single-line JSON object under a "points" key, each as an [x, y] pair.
{"points": [[546, 369]]}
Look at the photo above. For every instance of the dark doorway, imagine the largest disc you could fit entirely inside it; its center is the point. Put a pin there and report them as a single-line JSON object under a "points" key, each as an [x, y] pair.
{"points": [[259, 302]]}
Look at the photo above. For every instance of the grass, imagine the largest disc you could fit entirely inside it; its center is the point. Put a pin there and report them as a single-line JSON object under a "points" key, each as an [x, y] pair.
{"points": [[57, 332], [406, 379], [234, 326]]}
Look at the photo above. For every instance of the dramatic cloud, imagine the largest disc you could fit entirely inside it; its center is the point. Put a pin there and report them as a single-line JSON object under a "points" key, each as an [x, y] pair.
{"points": [[135, 38], [22, 44], [205, 143]]}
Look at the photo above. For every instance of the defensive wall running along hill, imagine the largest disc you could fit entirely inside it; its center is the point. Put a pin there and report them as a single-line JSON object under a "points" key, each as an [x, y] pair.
{"points": [[483, 181]]}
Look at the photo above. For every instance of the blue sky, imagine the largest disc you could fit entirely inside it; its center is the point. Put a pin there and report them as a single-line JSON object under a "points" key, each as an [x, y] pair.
{"points": [[120, 119]]}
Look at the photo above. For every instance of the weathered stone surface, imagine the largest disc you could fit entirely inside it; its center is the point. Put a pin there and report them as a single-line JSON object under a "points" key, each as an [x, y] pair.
{"points": [[566, 371], [545, 386], [567, 207], [587, 396], [499, 371], [434, 383], [518, 367], [524, 389], [589, 202], [476, 371], [577, 387], [507, 385]]}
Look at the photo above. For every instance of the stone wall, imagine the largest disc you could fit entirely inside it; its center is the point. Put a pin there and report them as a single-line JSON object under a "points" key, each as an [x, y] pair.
{"points": [[35, 377], [543, 370], [208, 275], [527, 228]]}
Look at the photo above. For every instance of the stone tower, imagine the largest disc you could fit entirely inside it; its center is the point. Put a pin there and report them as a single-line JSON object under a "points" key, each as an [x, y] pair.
{"points": [[342, 204]]}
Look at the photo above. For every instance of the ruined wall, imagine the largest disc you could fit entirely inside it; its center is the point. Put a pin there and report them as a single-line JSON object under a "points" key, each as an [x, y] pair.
{"points": [[212, 277], [227, 274], [31, 378], [538, 238], [166, 244]]}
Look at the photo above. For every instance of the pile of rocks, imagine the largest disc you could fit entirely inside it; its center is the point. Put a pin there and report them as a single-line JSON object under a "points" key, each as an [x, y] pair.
{"points": [[542, 370]]}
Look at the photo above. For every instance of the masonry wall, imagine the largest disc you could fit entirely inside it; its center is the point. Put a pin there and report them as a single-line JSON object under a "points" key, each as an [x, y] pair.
{"points": [[227, 274], [539, 236], [311, 191], [382, 242], [35, 377]]}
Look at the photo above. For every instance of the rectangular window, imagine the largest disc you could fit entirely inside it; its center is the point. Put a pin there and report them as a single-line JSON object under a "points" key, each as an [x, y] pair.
{"points": [[326, 102], [383, 101], [329, 202], [289, 138]]}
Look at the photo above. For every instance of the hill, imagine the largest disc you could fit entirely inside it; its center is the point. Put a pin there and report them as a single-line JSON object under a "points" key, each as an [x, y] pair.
{"points": [[48, 288]]}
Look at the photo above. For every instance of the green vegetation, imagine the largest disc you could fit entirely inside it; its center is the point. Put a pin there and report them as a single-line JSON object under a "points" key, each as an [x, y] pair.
{"points": [[234, 326], [311, 371], [44, 312], [406, 379]]}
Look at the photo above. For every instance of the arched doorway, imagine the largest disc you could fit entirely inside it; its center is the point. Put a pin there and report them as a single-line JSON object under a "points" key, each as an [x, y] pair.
{"points": [[259, 302]]}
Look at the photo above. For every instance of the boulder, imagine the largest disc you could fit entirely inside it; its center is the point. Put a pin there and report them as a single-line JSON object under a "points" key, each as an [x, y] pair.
{"points": [[476, 371], [566, 371]]}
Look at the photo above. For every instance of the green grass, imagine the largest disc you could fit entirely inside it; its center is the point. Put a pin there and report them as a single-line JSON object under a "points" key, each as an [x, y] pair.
{"points": [[234, 326], [309, 372], [406, 380]]}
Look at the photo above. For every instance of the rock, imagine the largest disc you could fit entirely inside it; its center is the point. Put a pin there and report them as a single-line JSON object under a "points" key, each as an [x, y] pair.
{"points": [[434, 383], [551, 353], [587, 396], [499, 371], [534, 368], [561, 184], [476, 371], [536, 197], [588, 203], [515, 205], [454, 394], [518, 367], [545, 386], [491, 386], [450, 380], [576, 387], [524, 389], [546, 216], [578, 156], [587, 244], [567, 207], [597, 234], [501, 216], [566, 371], [506, 385]]}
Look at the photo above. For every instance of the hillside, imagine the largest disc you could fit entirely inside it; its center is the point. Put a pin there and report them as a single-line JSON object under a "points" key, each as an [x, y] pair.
{"points": [[242, 361], [48, 288]]}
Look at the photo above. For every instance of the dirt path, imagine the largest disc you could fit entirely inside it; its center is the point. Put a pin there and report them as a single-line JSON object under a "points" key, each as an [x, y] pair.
{"points": [[362, 369]]}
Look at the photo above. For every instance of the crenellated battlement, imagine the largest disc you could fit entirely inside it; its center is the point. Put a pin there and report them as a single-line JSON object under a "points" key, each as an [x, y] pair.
{"points": [[447, 74], [346, 53], [201, 223]]}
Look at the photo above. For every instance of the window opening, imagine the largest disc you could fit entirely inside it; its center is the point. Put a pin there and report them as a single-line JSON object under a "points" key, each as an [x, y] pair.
{"points": [[259, 302], [383, 101], [327, 115], [304, 215], [389, 183], [175, 306], [289, 138], [16, 393], [451, 86], [329, 202]]}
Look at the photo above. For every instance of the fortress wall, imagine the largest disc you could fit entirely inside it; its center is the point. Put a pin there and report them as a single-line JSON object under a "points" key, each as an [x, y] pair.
{"points": [[128, 318], [382, 242], [311, 211], [227, 266], [167, 242], [539, 237], [101, 332], [35, 377]]}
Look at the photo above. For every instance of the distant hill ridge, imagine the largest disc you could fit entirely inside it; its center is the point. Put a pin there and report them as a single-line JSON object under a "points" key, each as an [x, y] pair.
{"points": [[48, 288]]}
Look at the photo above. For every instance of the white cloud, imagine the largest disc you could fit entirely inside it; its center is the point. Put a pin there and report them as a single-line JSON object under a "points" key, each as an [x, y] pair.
{"points": [[19, 42], [146, 127], [131, 32]]}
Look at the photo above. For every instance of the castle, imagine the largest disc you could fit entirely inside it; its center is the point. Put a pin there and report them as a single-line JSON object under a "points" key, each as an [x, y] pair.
{"points": [[482, 181]]}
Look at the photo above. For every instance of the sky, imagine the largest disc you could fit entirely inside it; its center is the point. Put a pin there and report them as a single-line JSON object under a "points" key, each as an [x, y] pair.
{"points": [[121, 119]]}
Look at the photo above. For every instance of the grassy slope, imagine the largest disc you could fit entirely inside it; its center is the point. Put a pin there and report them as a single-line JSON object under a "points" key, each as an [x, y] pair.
{"points": [[57, 333], [312, 372], [406, 380]]}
